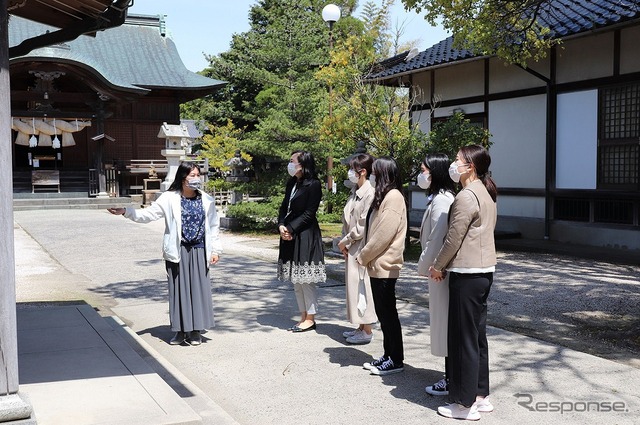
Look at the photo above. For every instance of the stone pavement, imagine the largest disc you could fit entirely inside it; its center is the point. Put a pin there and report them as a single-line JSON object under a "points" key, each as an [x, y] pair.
{"points": [[249, 370]]}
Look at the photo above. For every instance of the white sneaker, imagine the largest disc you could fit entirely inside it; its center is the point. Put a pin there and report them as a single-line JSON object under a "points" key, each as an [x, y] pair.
{"points": [[348, 334], [484, 405], [360, 337], [458, 411]]}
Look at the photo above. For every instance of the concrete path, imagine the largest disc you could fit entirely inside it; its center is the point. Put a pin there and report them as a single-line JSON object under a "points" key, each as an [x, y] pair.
{"points": [[249, 370]]}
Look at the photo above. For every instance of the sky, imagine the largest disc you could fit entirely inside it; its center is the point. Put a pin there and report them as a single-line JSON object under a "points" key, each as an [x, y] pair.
{"points": [[206, 26]]}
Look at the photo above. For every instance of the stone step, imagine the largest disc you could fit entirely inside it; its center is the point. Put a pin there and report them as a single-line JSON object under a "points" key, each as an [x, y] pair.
{"points": [[76, 203]]}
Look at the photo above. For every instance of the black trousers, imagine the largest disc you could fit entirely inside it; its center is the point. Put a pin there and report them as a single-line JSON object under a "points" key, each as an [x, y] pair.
{"points": [[468, 358], [384, 299]]}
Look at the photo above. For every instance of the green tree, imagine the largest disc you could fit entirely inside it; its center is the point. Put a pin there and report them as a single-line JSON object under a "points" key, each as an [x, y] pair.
{"points": [[272, 92], [378, 115], [457, 131], [507, 28]]}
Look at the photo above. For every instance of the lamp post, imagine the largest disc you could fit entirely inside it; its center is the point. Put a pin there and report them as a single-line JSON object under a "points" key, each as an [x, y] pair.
{"points": [[330, 14]]}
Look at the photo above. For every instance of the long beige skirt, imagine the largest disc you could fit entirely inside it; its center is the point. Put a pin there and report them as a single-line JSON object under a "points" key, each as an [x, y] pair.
{"points": [[352, 274]]}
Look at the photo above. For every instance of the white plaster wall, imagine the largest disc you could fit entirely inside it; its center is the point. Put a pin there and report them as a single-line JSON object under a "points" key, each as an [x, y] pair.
{"points": [[520, 206], [422, 83], [464, 80], [577, 140], [518, 128], [585, 58], [629, 56], [422, 119], [504, 78]]}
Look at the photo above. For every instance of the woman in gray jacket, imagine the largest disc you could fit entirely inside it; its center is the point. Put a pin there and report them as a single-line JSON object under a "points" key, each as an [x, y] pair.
{"points": [[190, 245], [434, 178], [469, 257]]}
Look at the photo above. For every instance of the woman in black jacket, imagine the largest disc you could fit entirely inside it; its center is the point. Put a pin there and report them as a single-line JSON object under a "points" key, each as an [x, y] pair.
{"points": [[301, 257]]}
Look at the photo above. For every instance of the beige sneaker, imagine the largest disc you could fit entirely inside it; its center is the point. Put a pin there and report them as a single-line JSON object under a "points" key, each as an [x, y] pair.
{"points": [[458, 411], [360, 337], [484, 405]]}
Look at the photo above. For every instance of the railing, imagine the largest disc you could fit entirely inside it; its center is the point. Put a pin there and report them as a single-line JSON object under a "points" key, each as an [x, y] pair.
{"points": [[112, 177]]}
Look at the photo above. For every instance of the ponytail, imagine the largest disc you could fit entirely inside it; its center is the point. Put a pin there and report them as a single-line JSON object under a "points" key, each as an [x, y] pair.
{"points": [[479, 157]]}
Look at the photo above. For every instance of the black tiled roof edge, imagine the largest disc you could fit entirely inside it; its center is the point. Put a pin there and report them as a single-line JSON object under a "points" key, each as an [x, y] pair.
{"points": [[562, 17]]}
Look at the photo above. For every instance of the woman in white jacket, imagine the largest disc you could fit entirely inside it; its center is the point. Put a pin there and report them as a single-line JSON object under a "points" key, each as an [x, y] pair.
{"points": [[190, 244], [434, 178]]}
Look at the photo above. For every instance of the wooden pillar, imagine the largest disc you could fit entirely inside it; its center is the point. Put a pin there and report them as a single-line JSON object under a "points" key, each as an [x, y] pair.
{"points": [[12, 407]]}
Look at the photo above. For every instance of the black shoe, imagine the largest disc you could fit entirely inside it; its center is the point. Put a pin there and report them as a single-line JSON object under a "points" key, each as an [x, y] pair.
{"points": [[387, 368], [195, 338], [375, 363], [299, 329], [178, 338]]}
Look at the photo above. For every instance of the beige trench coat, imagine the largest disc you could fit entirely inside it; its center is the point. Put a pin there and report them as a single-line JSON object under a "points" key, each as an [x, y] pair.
{"points": [[353, 231]]}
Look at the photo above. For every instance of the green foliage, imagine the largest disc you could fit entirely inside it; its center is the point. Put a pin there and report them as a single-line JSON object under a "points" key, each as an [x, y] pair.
{"points": [[337, 200], [217, 185], [378, 115], [449, 136], [506, 28], [258, 215], [220, 145], [333, 217]]}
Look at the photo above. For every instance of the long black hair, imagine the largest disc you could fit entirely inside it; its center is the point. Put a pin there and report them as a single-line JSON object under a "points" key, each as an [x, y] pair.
{"points": [[387, 178], [438, 165], [479, 157], [307, 163], [184, 169]]}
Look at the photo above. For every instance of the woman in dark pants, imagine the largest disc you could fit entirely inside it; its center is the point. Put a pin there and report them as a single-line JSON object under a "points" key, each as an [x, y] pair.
{"points": [[385, 233], [469, 257], [301, 255]]}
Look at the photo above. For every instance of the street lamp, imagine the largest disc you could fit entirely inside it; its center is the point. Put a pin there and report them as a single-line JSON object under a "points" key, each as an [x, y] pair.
{"points": [[330, 14]]}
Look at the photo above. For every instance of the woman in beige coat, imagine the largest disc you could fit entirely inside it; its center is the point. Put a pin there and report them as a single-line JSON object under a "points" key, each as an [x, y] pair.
{"points": [[353, 227], [434, 178], [386, 229], [468, 256]]}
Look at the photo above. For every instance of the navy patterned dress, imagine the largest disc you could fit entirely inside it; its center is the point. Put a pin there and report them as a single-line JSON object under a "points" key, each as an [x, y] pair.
{"points": [[190, 303]]}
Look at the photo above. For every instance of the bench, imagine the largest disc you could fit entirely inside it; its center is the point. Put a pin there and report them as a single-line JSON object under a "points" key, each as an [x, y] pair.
{"points": [[47, 178]]}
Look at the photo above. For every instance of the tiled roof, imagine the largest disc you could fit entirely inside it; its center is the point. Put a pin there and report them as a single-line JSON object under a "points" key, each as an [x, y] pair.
{"points": [[562, 17], [134, 56]]}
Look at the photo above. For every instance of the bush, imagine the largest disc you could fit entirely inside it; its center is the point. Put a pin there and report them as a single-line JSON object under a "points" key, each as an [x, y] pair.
{"points": [[334, 217], [258, 215]]}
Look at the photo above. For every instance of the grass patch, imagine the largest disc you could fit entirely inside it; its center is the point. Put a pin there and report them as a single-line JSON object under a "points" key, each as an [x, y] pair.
{"points": [[331, 230]]}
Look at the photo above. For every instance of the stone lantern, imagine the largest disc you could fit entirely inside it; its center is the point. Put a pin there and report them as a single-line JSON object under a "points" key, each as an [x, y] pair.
{"points": [[177, 139], [238, 165]]}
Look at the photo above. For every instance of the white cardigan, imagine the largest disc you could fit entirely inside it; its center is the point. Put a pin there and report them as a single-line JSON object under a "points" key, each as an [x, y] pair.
{"points": [[168, 206]]}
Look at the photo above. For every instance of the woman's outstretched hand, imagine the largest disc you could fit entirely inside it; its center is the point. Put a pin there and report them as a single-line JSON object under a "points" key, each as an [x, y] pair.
{"points": [[117, 211]]}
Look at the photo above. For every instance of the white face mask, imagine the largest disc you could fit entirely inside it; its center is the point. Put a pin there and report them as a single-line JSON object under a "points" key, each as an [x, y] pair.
{"points": [[194, 183], [372, 180], [424, 180], [292, 169], [454, 173], [353, 176]]}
